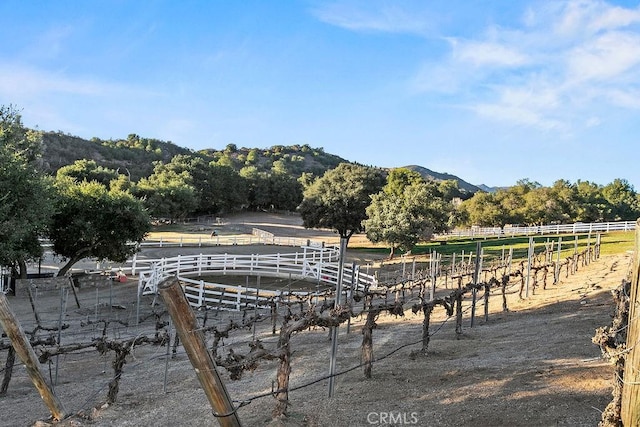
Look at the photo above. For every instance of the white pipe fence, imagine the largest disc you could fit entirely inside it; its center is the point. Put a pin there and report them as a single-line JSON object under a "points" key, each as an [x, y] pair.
{"points": [[316, 264], [575, 228], [258, 237]]}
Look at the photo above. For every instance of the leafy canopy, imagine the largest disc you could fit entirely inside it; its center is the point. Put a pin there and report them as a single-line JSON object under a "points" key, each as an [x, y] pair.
{"points": [[24, 193], [92, 222], [339, 199], [408, 210]]}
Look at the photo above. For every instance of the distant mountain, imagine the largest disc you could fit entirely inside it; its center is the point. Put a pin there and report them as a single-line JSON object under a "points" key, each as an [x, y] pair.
{"points": [[489, 189], [437, 176]]}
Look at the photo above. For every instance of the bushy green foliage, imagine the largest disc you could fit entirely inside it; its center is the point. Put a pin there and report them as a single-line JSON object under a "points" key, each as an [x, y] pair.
{"points": [[133, 156], [90, 221], [407, 210], [529, 203], [25, 201], [339, 199]]}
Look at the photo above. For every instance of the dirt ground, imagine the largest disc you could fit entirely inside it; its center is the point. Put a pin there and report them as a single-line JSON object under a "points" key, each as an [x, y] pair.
{"points": [[534, 365]]}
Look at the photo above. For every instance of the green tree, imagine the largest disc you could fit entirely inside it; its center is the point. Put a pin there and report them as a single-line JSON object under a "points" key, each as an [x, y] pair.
{"points": [[400, 178], [22, 143], [622, 201], [542, 207], [513, 203], [88, 170], [258, 188], [403, 215], [339, 199], [483, 210], [252, 157], [566, 196], [167, 194], [285, 192], [92, 222], [450, 189], [25, 201], [217, 188], [591, 206], [225, 191]]}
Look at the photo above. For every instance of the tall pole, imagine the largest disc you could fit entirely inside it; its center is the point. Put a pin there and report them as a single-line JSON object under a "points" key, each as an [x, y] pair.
{"points": [[557, 269], [476, 277], [334, 330], [192, 339], [529, 260]]}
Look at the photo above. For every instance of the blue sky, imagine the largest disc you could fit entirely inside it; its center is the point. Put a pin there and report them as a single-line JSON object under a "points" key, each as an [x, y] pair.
{"points": [[491, 91]]}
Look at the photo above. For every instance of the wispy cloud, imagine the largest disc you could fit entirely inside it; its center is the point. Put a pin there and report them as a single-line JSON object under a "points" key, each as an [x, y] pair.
{"points": [[488, 54], [605, 58], [376, 16], [20, 81], [546, 73], [58, 100], [545, 70]]}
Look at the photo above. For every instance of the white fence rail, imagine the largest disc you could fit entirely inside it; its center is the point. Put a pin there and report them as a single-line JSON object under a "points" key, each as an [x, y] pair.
{"points": [[575, 228], [312, 264], [258, 237]]}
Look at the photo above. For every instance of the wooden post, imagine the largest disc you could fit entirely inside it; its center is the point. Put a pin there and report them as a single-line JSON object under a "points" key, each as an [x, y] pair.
{"points": [[25, 352], [530, 254], [487, 290], [630, 406], [194, 344], [476, 277], [459, 308]]}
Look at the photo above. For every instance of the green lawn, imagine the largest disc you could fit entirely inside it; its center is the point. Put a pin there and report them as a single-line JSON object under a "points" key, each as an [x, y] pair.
{"points": [[611, 243]]}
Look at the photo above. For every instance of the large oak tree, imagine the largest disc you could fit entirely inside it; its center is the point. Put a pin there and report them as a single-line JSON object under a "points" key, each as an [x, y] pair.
{"points": [[339, 199], [408, 210], [90, 221]]}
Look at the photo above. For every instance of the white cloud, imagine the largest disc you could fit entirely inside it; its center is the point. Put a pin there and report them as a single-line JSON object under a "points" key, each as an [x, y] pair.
{"points": [[569, 58], [614, 18], [18, 81], [379, 16], [488, 54], [604, 57], [536, 105], [628, 98]]}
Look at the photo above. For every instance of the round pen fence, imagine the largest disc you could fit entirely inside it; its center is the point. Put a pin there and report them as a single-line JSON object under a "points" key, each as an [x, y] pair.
{"points": [[313, 264]]}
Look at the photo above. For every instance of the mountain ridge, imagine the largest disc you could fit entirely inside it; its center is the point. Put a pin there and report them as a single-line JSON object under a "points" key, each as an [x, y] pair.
{"points": [[440, 176], [137, 155]]}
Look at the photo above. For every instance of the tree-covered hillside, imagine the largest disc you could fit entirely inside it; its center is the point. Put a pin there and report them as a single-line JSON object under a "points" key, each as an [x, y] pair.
{"points": [[136, 155]]}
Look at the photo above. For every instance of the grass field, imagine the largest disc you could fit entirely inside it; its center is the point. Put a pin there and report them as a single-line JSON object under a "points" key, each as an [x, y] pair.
{"points": [[611, 243]]}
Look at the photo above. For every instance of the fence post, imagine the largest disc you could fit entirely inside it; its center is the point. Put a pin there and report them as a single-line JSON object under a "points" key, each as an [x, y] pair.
{"points": [[193, 341], [556, 272], [530, 254], [25, 352], [476, 275], [630, 406], [201, 294]]}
